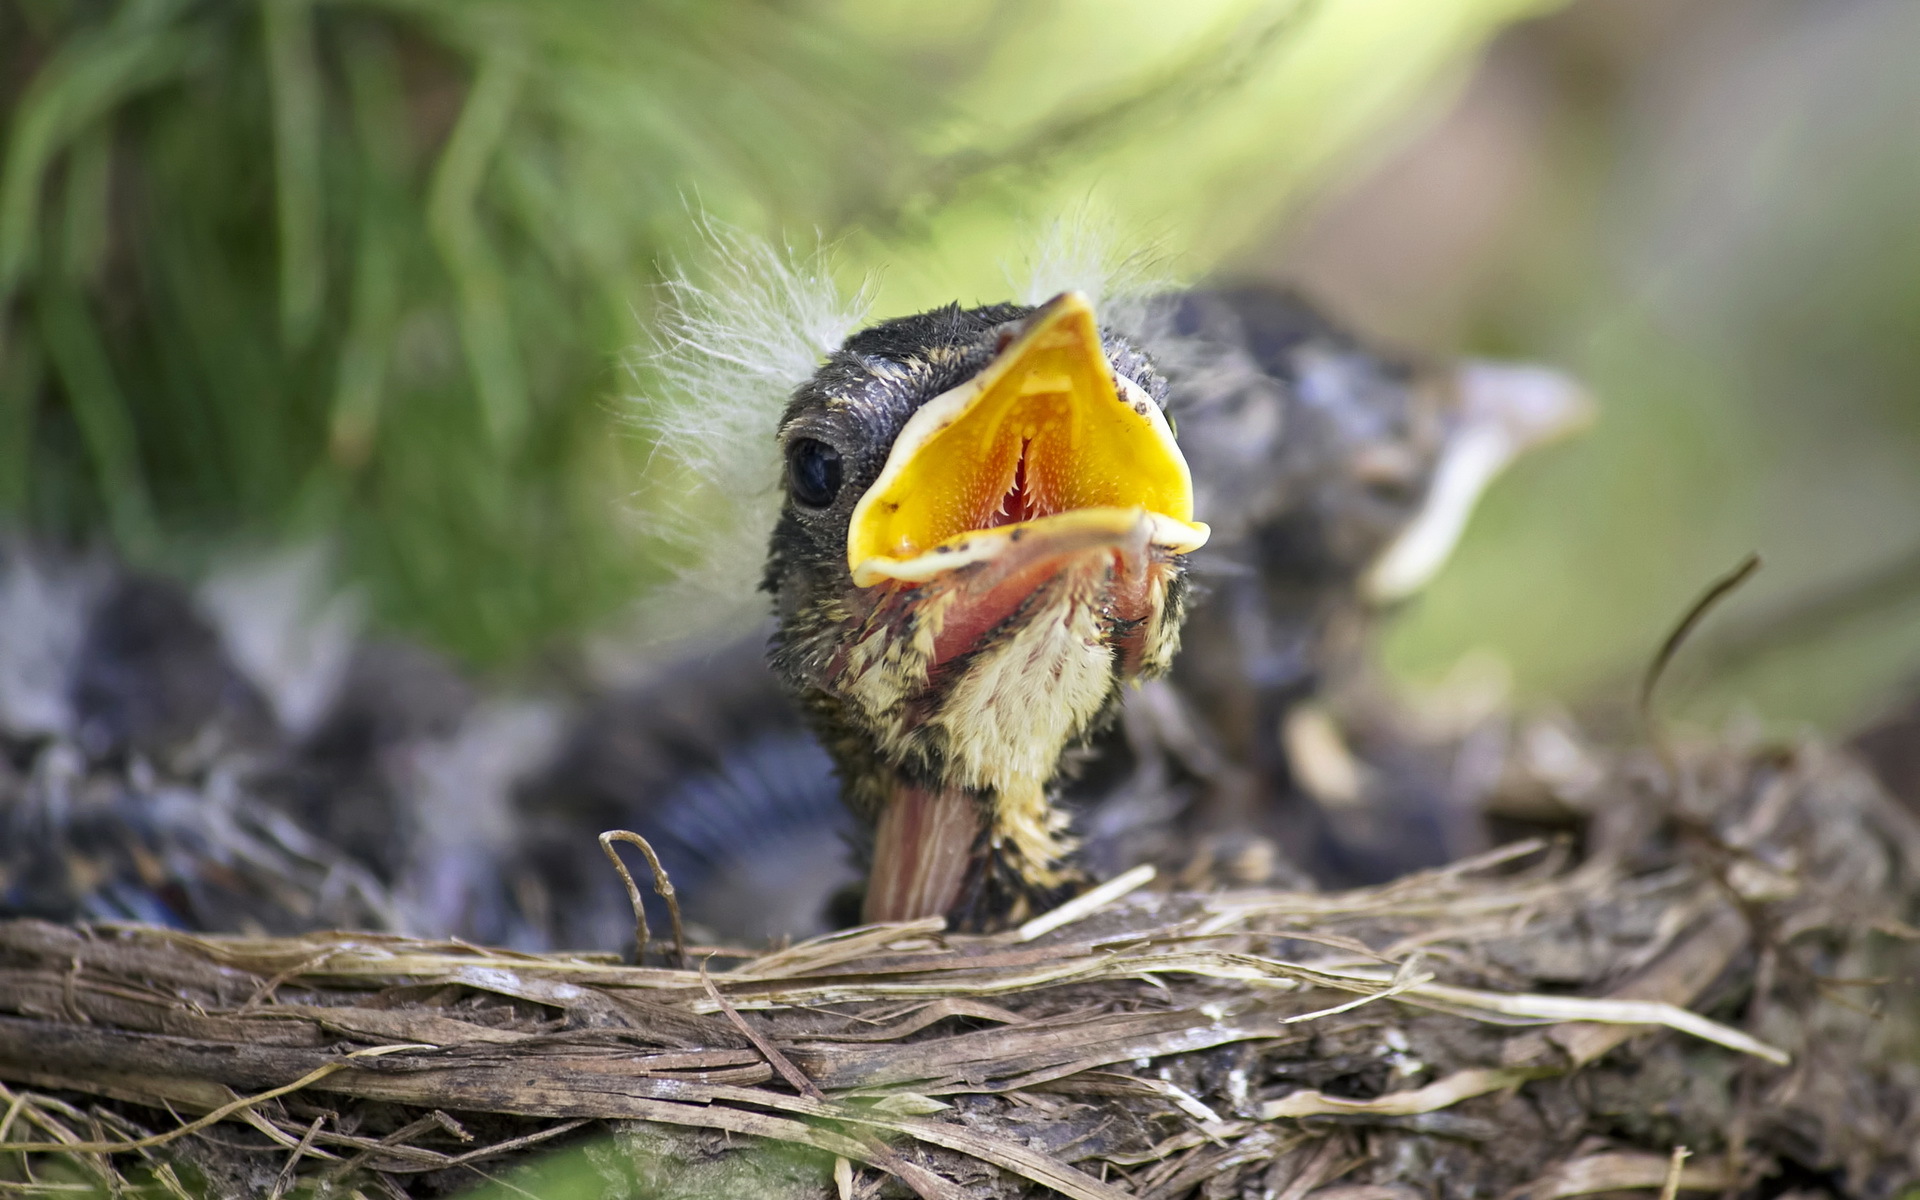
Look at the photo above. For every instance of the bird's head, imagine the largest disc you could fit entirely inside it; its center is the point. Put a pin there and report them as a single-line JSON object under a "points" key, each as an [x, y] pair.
{"points": [[984, 535]]}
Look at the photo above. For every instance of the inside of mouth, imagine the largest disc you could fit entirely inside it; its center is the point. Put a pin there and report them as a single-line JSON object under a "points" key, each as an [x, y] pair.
{"points": [[1045, 432], [1034, 456], [1009, 468]]}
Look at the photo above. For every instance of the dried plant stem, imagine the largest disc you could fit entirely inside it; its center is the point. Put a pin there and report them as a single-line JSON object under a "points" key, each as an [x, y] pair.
{"points": [[661, 885]]}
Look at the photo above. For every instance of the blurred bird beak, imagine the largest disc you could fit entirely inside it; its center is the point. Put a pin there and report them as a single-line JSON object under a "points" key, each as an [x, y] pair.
{"points": [[1504, 411], [1044, 443]]}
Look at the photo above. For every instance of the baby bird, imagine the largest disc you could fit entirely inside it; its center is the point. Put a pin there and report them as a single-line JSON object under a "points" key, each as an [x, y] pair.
{"points": [[984, 536], [966, 571]]}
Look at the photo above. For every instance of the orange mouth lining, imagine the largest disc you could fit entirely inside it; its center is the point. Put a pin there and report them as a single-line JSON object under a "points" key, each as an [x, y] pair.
{"points": [[1044, 433]]}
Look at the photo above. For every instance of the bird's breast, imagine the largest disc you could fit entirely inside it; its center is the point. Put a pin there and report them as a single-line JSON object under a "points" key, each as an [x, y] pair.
{"points": [[984, 677]]}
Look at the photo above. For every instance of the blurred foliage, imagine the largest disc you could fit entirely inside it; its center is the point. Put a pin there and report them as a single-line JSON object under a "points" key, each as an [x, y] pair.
{"points": [[284, 269], [638, 1161], [364, 269], [1186, 127], [1715, 229]]}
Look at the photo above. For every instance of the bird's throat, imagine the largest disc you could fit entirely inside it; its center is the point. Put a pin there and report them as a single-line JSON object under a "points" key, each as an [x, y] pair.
{"points": [[971, 688]]}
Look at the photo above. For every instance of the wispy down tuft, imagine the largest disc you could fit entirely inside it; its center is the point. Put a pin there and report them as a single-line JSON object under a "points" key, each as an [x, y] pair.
{"points": [[1083, 251], [738, 331]]}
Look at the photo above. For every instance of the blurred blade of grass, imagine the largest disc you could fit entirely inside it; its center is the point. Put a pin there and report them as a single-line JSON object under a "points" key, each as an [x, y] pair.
{"points": [[85, 80], [373, 82], [22, 371], [294, 84], [363, 269], [89, 178], [485, 327], [228, 428], [80, 360]]}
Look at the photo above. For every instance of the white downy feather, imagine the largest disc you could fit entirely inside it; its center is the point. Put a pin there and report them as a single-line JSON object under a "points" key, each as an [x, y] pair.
{"points": [[736, 334], [1085, 252]]}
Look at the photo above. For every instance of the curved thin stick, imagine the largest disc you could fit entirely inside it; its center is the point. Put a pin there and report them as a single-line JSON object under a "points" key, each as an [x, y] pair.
{"points": [[1721, 589], [1681, 632], [661, 884]]}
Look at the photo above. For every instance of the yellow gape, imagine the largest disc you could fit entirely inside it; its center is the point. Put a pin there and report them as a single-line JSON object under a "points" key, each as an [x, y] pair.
{"points": [[1045, 435]]}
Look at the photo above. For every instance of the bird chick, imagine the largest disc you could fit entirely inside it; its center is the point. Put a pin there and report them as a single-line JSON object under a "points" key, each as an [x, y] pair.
{"points": [[984, 535]]}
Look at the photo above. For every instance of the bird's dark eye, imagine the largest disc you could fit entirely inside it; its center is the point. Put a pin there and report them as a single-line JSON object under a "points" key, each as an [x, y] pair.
{"points": [[813, 472]]}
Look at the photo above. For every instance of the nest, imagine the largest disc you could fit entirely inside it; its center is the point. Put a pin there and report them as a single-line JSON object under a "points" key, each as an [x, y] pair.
{"points": [[1706, 986]]}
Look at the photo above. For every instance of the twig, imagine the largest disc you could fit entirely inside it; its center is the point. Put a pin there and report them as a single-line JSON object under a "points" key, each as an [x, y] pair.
{"points": [[1086, 904], [1406, 977], [274, 984], [512, 1144], [14, 1104], [171, 1182], [1441, 1094], [661, 884], [1671, 1188], [768, 1050], [1315, 1171], [1721, 588], [398, 1143], [293, 1158], [1814, 614], [924, 1182], [1609, 1012], [496, 1181]]}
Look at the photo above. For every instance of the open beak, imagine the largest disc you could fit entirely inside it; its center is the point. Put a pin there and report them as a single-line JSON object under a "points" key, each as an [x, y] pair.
{"points": [[1045, 444]]}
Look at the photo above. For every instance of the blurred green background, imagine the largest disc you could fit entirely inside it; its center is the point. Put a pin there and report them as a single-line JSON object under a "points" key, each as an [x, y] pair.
{"points": [[367, 272]]}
